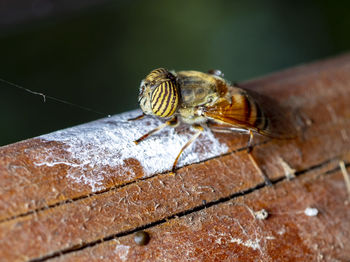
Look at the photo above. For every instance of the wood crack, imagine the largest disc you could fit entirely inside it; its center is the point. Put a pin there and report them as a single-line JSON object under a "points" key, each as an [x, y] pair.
{"points": [[188, 212], [72, 200]]}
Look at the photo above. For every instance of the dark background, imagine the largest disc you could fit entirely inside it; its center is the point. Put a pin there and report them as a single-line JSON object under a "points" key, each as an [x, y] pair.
{"points": [[95, 53]]}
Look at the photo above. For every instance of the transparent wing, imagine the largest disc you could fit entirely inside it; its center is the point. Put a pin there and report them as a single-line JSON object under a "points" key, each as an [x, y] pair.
{"points": [[251, 111]]}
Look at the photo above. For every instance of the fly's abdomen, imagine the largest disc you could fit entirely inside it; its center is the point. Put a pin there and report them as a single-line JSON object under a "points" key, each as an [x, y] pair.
{"points": [[254, 114]]}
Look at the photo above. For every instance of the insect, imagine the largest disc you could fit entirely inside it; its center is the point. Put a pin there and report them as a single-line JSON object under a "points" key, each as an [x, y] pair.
{"points": [[201, 99]]}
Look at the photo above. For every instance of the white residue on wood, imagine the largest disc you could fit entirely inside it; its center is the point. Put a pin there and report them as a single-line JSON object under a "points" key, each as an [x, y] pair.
{"points": [[311, 212], [254, 244], [108, 143], [122, 252]]}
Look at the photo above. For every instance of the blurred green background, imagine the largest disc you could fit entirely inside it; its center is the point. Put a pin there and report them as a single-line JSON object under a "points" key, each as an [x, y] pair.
{"points": [[95, 54]]}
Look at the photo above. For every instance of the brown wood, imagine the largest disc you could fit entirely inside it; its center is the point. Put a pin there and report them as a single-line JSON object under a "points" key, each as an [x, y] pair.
{"points": [[205, 211]]}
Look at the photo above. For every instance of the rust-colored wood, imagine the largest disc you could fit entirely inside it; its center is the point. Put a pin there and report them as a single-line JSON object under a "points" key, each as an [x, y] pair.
{"points": [[230, 232], [201, 212]]}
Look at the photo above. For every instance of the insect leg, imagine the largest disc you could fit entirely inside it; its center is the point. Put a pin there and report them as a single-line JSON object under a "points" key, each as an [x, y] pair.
{"points": [[200, 129], [137, 118], [221, 128], [255, 164], [252, 158], [250, 141], [171, 122]]}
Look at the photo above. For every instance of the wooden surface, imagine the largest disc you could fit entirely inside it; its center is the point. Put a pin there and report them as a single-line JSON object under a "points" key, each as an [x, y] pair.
{"points": [[209, 210]]}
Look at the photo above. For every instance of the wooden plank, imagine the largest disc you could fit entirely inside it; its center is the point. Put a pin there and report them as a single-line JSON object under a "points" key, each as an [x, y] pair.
{"points": [[308, 220], [78, 187]]}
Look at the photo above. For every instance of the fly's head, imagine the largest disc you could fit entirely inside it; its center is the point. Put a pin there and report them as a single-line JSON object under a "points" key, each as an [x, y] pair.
{"points": [[159, 94]]}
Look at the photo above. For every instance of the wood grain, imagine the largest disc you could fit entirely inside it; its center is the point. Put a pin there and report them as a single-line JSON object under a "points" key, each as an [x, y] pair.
{"points": [[206, 210]]}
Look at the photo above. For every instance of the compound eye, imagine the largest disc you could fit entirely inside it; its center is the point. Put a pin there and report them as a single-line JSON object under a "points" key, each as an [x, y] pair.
{"points": [[142, 89], [165, 98]]}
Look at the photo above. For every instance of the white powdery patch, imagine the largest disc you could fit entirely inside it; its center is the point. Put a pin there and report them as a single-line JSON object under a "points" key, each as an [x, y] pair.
{"points": [[108, 142], [254, 244], [281, 231], [122, 251], [311, 212]]}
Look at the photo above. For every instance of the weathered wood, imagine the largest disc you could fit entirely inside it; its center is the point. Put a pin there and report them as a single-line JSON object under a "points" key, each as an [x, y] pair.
{"points": [[81, 193], [229, 231]]}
